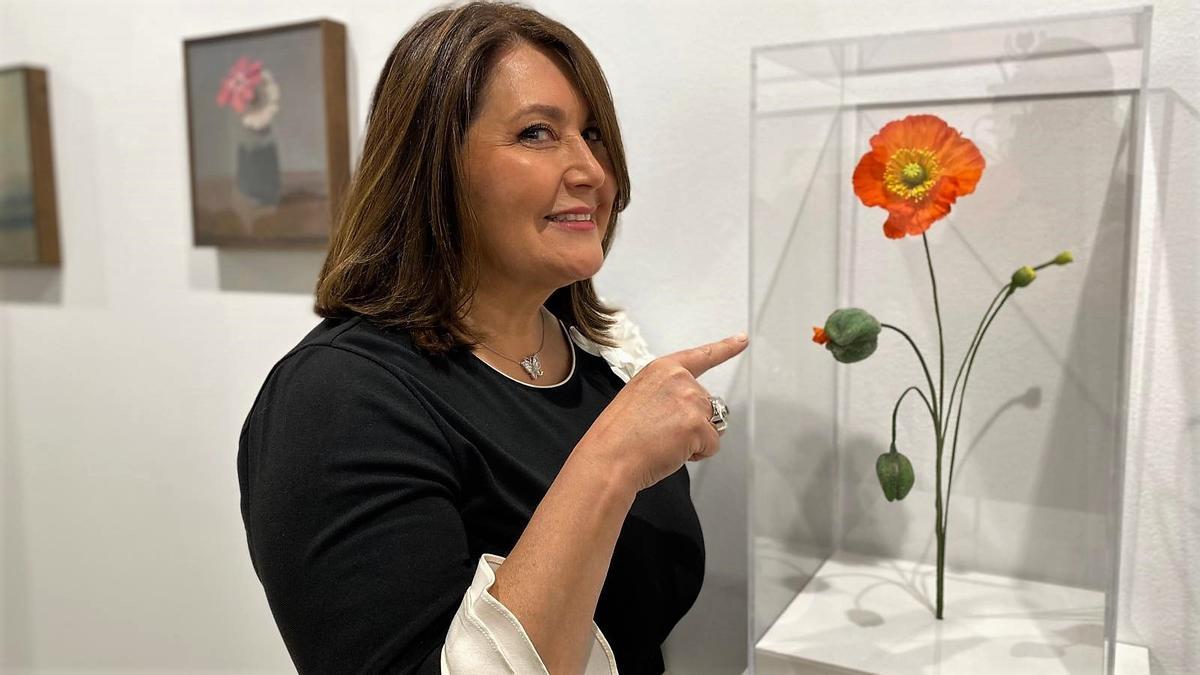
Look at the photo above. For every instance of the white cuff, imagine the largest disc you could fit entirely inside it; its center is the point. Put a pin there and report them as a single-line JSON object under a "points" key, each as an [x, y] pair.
{"points": [[485, 638]]}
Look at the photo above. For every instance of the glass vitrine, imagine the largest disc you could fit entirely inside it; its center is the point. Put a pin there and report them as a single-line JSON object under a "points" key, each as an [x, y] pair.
{"points": [[842, 580]]}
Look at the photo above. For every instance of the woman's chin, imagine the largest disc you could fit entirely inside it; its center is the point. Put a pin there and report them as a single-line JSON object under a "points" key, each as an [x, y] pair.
{"points": [[584, 269]]}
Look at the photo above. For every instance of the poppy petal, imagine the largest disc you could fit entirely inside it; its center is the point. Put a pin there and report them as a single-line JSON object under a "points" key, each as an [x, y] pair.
{"points": [[868, 180], [896, 226]]}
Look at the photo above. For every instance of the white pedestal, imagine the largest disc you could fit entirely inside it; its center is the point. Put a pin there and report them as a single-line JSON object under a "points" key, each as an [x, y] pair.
{"points": [[871, 615], [1132, 660]]}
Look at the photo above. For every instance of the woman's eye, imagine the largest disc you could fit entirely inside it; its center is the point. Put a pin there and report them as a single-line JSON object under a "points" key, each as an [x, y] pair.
{"points": [[592, 134], [532, 133]]}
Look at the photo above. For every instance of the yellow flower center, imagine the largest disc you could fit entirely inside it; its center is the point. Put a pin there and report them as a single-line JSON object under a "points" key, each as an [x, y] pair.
{"points": [[910, 173]]}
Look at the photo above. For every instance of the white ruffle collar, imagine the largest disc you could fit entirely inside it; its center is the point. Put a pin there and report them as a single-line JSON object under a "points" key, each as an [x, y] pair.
{"points": [[625, 360]]}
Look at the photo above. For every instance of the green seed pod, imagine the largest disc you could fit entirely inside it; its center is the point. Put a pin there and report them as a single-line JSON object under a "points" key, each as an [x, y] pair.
{"points": [[895, 474], [853, 334], [1064, 258], [1023, 277]]}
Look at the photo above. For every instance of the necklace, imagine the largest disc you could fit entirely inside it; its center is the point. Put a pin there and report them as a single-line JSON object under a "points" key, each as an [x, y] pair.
{"points": [[530, 363]]}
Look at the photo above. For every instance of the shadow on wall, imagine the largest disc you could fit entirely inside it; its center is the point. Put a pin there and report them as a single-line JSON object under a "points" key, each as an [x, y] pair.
{"points": [[711, 637], [32, 285], [269, 271], [1160, 583], [794, 503], [16, 640], [794, 522], [1074, 486]]}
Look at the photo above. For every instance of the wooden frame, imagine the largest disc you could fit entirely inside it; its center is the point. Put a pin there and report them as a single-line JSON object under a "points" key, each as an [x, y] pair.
{"points": [[252, 221], [39, 207]]}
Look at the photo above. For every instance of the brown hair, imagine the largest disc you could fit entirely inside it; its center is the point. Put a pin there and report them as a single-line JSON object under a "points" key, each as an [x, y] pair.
{"points": [[404, 250]]}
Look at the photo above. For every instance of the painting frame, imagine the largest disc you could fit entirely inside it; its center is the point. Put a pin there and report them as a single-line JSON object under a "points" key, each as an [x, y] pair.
{"points": [[41, 211], [229, 228]]}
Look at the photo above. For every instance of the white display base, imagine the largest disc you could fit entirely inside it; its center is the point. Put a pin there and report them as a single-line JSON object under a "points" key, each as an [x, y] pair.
{"points": [[1132, 660], [872, 615]]}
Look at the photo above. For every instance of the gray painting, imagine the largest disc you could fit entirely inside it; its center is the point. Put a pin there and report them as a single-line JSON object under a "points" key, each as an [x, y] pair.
{"points": [[257, 124], [18, 232]]}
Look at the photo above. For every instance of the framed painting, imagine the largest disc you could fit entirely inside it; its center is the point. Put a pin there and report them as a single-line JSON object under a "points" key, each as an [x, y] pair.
{"points": [[267, 134], [28, 209]]}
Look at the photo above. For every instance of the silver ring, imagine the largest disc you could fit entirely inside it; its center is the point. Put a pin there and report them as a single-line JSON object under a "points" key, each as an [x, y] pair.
{"points": [[720, 413]]}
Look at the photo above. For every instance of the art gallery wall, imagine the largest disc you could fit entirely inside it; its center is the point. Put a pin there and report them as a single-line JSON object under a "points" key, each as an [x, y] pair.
{"points": [[125, 376]]}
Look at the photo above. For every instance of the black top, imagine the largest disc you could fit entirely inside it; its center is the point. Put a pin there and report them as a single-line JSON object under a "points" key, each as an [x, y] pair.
{"points": [[373, 477]]}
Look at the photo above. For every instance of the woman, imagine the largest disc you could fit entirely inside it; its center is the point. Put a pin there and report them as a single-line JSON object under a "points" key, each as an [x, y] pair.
{"points": [[443, 476]]}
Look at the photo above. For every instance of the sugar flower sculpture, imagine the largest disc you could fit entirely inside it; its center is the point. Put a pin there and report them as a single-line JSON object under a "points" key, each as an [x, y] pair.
{"points": [[917, 169]]}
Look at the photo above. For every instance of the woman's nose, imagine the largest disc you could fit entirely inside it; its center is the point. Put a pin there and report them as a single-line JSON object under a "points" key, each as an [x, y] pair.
{"points": [[584, 169]]}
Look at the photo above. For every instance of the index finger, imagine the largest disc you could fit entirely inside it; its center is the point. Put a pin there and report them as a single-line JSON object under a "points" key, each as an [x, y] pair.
{"points": [[697, 360]]}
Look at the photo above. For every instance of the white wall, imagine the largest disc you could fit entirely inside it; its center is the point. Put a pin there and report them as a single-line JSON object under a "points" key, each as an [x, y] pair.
{"points": [[125, 376]]}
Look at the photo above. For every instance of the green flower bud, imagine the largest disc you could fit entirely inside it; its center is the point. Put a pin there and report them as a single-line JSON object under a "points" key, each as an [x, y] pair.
{"points": [[1064, 258], [852, 334], [895, 474], [1023, 277]]}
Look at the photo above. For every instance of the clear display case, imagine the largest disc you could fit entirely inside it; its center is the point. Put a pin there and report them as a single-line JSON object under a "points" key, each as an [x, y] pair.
{"points": [[842, 580]]}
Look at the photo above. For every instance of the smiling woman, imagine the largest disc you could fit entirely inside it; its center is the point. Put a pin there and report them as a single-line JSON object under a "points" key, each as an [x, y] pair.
{"points": [[516, 83], [540, 188], [416, 500]]}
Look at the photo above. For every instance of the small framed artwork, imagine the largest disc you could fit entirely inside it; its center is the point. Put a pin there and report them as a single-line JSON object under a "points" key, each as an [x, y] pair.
{"points": [[267, 134], [28, 207]]}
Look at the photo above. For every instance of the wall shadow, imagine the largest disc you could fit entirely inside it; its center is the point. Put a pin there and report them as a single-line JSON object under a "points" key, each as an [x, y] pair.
{"points": [[31, 285]]}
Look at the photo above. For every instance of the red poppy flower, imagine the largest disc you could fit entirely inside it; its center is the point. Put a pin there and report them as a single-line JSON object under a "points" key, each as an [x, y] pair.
{"points": [[916, 169], [237, 89]]}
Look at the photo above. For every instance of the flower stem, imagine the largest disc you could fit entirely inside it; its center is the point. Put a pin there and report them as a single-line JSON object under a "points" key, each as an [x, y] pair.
{"points": [[1007, 290], [969, 363], [896, 409], [958, 377], [921, 358], [962, 366], [937, 310], [939, 516], [934, 407]]}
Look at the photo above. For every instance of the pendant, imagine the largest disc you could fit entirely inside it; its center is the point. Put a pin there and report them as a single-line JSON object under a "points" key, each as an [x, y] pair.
{"points": [[532, 366]]}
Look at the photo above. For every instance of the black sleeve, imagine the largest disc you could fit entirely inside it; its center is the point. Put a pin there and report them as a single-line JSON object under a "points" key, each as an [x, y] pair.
{"points": [[348, 498]]}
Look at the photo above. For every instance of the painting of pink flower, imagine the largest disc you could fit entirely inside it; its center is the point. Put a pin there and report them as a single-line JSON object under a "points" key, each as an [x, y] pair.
{"points": [[268, 145], [237, 89]]}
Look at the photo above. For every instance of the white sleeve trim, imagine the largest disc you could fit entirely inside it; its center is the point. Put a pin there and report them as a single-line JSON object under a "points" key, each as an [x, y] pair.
{"points": [[486, 638]]}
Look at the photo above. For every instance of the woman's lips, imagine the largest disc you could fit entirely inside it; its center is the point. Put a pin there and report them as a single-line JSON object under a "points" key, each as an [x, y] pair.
{"points": [[574, 225]]}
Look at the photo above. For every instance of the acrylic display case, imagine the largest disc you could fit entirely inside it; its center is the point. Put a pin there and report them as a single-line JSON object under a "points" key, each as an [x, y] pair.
{"points": [[842, 581]]}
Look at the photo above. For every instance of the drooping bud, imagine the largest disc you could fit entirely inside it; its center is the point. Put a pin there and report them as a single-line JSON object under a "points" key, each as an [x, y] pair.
{"points": [[1064, 258], [851, 334], [895, 474], [1023, 277]]}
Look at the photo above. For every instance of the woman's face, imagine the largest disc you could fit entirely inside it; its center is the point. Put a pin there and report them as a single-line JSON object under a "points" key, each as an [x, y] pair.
{"points": [[534, 154]]}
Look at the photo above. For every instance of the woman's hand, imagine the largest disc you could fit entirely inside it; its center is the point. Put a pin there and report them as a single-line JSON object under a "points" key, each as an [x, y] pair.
{"points": [[660, 419]]}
